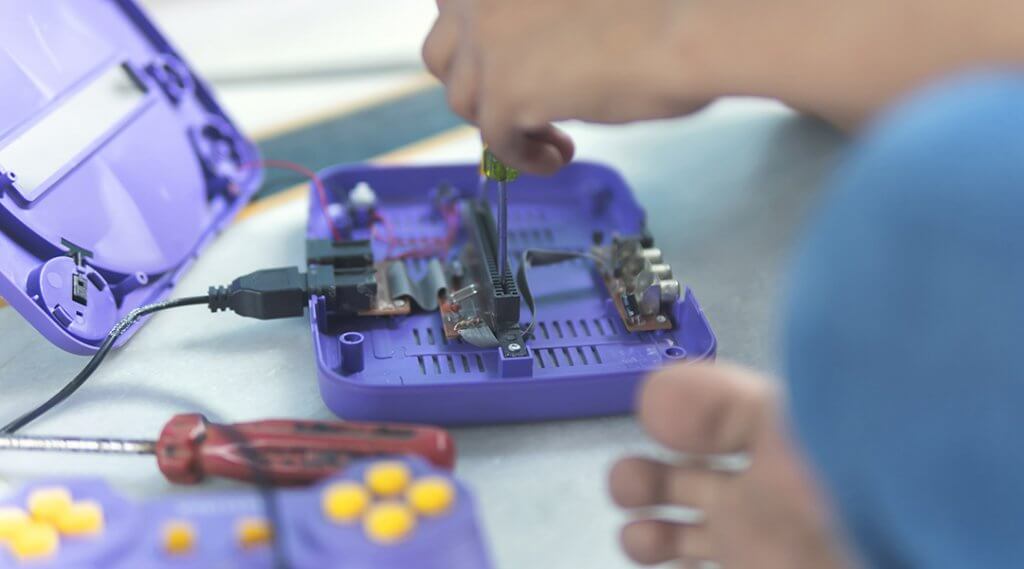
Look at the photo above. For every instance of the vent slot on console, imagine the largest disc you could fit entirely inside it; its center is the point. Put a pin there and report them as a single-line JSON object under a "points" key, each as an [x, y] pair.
{"points": [[569, 329], [574, 356], [451, 364]]}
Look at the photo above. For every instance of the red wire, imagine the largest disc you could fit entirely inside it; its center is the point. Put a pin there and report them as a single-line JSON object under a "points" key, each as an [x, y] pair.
{"points": [[321, 190], [440, 245], [390, 240]]}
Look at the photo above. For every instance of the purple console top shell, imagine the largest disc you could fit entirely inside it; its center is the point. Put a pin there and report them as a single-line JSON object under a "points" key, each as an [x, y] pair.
{"points": [[583, 362], [110, 146]]}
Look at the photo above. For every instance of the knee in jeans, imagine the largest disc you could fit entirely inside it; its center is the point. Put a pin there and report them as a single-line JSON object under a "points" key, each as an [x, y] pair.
{"points": [[953, 154]]}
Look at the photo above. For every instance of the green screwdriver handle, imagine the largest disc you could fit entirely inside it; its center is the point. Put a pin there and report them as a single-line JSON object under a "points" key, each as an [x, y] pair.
{"points": [[494, 169]]}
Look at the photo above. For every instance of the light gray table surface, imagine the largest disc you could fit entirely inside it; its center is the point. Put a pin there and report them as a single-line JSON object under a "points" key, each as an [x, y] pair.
{"points": [[727, 191]]}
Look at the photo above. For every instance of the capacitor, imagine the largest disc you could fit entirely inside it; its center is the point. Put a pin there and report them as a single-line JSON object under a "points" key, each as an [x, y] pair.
{"points": [[670, 290], [362, 201], [362, 196]]}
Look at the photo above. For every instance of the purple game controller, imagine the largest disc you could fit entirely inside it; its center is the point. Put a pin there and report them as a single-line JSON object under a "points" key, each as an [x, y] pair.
{"points": [[381, 514]]}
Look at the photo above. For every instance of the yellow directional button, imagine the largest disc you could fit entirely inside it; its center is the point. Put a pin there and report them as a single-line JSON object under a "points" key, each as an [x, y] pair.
{"points": [[345, 501], [388, 478], [82, 518], [431, 496], [179, 537], [253, 532], [35, 541], [389, 522], [12, 520], [48, 504]]}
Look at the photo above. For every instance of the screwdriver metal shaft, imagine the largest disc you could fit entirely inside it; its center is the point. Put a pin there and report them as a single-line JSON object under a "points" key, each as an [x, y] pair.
{"points": [[503, 230], [493, 169], [73, 444]]}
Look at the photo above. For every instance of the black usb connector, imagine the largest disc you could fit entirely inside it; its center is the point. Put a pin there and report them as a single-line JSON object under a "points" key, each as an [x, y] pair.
{"points": [[285, 292], [266, 294]]}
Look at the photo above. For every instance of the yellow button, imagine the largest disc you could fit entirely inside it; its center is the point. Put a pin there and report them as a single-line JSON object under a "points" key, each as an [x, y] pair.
{"points": [[12, 520], [345, 501], [388, 478], [47, 504], [253, 532], [179, 537], [82, 518], [34, 541], [431, 496], [389, 522]]}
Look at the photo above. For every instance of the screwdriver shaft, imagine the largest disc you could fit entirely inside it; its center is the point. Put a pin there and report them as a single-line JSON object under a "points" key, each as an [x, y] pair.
{"points": [[503, 230], [481, 192], [105, 446]]}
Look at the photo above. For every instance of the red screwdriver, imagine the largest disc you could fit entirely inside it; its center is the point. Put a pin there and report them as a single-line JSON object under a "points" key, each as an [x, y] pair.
{"points": [[277, 451]]}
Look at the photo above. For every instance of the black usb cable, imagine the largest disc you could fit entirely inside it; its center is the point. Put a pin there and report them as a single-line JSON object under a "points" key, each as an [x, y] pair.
{"points": [[266, 294]]}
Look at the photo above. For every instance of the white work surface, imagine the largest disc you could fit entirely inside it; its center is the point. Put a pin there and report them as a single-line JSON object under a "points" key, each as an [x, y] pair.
{"points": [[726, 192]]}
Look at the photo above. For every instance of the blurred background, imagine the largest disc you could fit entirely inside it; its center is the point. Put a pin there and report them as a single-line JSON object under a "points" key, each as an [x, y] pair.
{"points": [[316, 81]]}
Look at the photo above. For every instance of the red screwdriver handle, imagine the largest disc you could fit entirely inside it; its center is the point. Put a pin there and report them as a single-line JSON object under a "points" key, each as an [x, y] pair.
{"points": [[287, 452]]}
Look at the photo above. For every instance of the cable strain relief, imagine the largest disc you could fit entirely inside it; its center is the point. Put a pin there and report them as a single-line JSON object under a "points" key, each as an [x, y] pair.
{"points": [[219, 298]]}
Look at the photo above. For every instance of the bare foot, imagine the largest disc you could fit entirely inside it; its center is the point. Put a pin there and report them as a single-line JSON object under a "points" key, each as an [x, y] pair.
{"points": [[768, 516]]}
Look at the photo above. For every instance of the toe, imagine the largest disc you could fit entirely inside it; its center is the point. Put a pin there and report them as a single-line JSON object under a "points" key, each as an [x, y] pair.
{"points": [[650, 542], [694, 488], [705, 409], [642, 482], [637, 482]]}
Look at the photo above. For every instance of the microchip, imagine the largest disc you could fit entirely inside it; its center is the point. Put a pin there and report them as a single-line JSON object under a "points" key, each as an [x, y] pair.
{"points": [[630, 305], [79, 289]]}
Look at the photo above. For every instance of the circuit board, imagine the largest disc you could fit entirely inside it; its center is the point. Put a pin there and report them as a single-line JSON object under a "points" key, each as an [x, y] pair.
{"points": [[384, 303], [568, 331], [639, 282], [632, 319], [452, 318]]}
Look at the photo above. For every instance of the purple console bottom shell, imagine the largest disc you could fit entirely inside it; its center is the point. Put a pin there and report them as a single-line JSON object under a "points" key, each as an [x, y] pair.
{"points": [[582, 361]]}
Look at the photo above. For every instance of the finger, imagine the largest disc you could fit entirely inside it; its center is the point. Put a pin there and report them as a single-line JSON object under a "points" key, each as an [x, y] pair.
{"points": [[650, 542], [523, 153], [558, 138], [705, 409], [461, 86], [642, 482], [439, 47], [541, 150]]}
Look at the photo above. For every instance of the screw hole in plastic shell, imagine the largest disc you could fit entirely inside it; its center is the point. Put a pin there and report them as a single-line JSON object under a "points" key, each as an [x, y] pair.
{"points": [[675, 352], [351, 351], [352, 338]]}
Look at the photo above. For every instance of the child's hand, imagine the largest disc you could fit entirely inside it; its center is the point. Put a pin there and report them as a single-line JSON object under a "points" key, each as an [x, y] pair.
{"points": [[513, 67]]}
